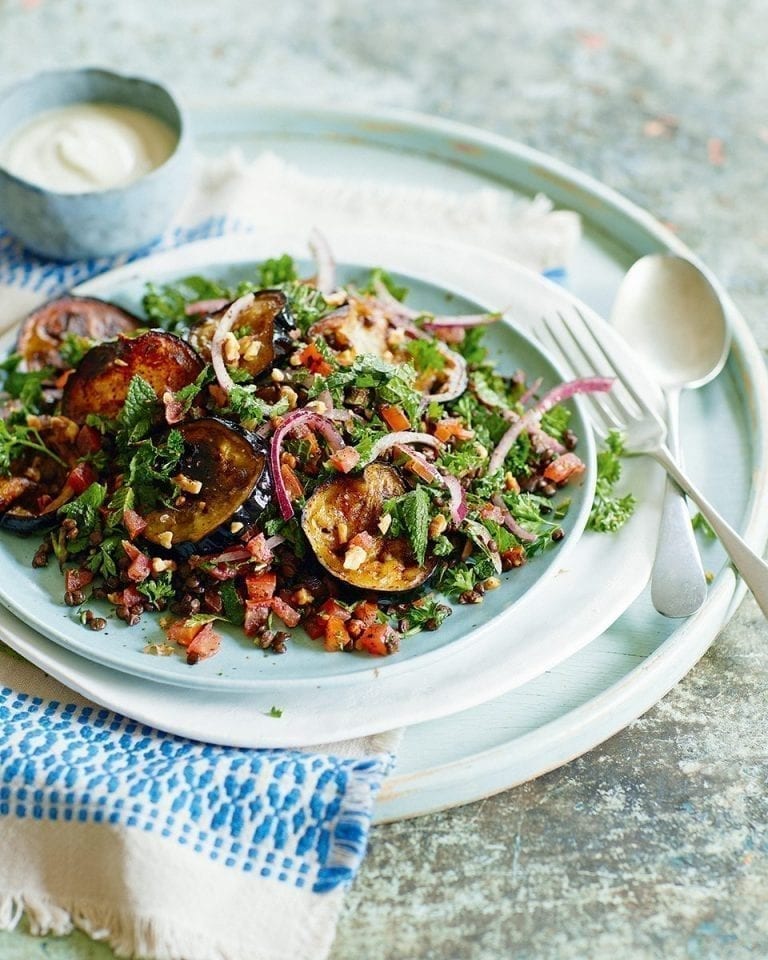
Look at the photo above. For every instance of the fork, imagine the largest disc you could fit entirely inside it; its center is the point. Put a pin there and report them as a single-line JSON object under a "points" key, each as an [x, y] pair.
{"points": [[626, 408]]}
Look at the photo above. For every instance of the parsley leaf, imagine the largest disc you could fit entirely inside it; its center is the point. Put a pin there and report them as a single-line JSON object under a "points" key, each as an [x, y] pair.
{"points": [[74, 348], [160, 588], [426, 355], [252, 410], [14, 439], [84, 510], [426, 613], [277, 270], [609, 513], [165, 306], [379, 275]]}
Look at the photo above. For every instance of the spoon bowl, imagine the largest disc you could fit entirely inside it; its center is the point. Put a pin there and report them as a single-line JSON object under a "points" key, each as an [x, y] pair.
{"points": [[670, 313]]}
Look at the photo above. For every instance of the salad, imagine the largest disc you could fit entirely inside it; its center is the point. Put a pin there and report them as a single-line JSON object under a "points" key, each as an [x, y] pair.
{"points": [[287, 453]]}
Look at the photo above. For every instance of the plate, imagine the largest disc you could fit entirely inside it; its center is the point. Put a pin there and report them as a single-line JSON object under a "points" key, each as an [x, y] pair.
{"points": [[499, 655]]}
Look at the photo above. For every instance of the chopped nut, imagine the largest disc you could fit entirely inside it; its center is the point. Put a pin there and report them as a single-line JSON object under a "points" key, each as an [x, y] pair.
{"points": [[160, 649], [491, 583], [295, 359], [302, 597], [236, 527], [342, 532], [354, 558], [316, 406], [335, 299], [346, 358], [160, 566], [396, 337], [437, 526], [231, 348], [385, 523], [510, 482], [187, 484], [165, 539], [277, 375], [289, 394], [119, 362], [252, 350]]}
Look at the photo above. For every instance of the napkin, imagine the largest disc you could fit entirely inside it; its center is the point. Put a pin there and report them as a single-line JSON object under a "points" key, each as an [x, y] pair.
{"points": [[165, 847]]}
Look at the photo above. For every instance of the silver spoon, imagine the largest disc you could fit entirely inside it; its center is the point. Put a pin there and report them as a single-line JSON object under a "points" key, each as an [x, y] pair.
{"points": [[671, 315]]}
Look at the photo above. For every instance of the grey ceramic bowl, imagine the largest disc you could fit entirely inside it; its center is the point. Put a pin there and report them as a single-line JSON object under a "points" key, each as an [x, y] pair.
{"points": [[69, 226]]}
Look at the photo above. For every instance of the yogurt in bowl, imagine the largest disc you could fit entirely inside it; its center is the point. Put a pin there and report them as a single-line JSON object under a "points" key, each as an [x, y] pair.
{"points": [[92, 163]]}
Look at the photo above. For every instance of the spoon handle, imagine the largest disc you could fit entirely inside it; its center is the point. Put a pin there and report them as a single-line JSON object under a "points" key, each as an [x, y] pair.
{"points": [[678, 585], [753, 570]]}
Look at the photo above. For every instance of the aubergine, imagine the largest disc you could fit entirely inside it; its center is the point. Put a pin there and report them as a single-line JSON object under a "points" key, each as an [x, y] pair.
{"points": [[345, 508], [230, 466], [100, 382], [45, 329], [263, 330]]}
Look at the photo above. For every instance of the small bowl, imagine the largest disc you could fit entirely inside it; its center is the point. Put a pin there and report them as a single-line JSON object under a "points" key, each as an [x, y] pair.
{"points": [[70, 226]]}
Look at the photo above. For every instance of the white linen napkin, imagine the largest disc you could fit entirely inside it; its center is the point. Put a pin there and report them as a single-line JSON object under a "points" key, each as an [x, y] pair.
{"points": [[173, 849]]}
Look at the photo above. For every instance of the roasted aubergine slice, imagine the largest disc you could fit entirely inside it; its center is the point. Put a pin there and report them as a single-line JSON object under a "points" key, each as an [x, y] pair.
{"points": [[100, 382], [225, 488], [341, 521]]}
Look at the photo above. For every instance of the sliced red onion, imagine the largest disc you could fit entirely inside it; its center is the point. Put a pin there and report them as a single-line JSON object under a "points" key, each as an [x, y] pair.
{"points": [[273, 542], [463, 320], [457, 380], [529, 393], [458, 501], [198, 307], [509, 521], [329, 321], [530, 419], [298, 418], [399, 438], [325, 278], [224, 327], [567, 390]]}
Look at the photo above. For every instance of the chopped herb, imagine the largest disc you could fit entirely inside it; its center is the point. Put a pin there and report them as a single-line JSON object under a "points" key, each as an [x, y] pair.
{"points": [[378, 275], [410, 514], [426, 613], [699, 522], [187, 395], [275, 712], [135, 419], [74, 348], [252, 410], [306, 302], [609, 513], [471, 347], [555, 421], [426, 355], [233, 607], [278, 270], [84, 510], [160, 588], [14, 439], [165, 306]]}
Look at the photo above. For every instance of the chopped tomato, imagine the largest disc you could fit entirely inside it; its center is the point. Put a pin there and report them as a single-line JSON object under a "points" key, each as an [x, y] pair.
{"points": [[489, 511], [258, 549], [315, 627], [128, 597], [420, 470], [336, 635], [311, 358], [394, 417], [563, 468], [366, 611], [332, 608], [88, 440], [81, 477], [451, 428], [261, 586], [76, 579], [183, 632], [256, 615], [204, 644], [292, 483], [139, 568], [379, 639], [285, 611], [135, 524], [345, 459]]}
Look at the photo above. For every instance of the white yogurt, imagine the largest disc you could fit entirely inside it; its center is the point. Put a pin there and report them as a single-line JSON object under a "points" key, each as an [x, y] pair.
{"points": [[87, 146]]}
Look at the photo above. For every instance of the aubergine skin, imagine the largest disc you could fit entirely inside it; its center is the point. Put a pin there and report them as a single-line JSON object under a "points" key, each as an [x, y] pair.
{"points": [[231, 466], [356, 502], [267, 321], [18, 506], [100, 382], [43, 332]]}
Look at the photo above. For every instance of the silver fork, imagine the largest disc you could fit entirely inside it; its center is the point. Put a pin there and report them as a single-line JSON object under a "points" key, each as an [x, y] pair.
{"points": [[626, 408]]}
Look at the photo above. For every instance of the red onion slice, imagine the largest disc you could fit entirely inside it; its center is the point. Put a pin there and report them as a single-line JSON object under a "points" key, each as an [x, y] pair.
{"points": [[325, 278], [457, 505], [298, 418], [399, 438], [224, 327], [198, 307], [530, 419], [510, 523], [463, 320]]}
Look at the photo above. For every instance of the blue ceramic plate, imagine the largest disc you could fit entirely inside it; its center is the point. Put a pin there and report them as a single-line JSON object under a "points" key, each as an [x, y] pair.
{"points": [[36, 596]]}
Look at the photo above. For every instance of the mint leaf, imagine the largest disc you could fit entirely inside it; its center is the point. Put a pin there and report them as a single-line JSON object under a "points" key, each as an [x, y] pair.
{"points": [[410, 514], [135, 419], [84, 510]]}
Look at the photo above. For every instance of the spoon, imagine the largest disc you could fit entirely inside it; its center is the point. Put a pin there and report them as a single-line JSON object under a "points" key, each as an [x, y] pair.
{"points": [[671, 315]]}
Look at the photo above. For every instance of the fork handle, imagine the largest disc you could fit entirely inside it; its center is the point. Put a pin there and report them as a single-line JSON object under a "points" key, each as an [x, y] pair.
{"points": [[753, 570]]}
